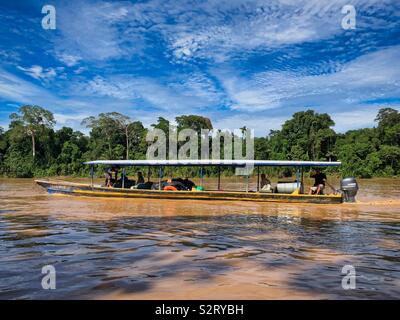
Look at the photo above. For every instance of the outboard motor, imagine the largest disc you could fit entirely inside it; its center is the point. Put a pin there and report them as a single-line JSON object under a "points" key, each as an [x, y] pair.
{"points": [[349, 187]]}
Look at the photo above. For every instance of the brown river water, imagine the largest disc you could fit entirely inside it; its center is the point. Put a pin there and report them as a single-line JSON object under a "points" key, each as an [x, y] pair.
{"points": [[163, 249]]}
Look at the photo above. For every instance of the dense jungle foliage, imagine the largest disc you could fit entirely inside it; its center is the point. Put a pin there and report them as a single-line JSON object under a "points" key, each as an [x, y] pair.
{"points": [[32, 147]]}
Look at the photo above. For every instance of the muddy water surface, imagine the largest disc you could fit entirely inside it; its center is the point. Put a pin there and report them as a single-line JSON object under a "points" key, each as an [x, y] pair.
{"points": [[155, 249]]}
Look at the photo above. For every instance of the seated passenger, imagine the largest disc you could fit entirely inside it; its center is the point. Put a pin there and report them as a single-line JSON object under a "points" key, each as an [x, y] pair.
{"points": [[265, 183], [188, 183], [319, 182], [140, 178], [146, 185], [114, 170], [159, 186], [124, 182], [177, 183], [108, 176]]}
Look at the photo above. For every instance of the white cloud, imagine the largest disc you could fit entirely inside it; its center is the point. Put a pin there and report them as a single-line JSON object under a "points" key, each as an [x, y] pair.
{"points": [[39, 72], [20, 91], [359, 117], [354, 119], [213, 29], [117, 89], [15, 89], [261, 123], [179, 93], [90, 31], [69, 59], [367, 77], [9, 55], [71, 120], [170, 101], [63, 119], [80, 70], [220, 29]]}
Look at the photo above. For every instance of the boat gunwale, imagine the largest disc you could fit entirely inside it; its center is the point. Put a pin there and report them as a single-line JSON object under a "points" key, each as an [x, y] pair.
{"points": [[182, 192]]}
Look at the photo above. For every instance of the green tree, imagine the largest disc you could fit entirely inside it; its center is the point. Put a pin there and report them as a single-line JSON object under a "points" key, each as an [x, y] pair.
{"points": [[3, 148], [262, 149], [196, 123], [390, 159], [137, 136], [357, 151], [70, 158], [34, 120], [389, 126], [124, 123], [306, 136], [105, 132], [112, 126], [70, 146], [193, 122], [162, 124]]}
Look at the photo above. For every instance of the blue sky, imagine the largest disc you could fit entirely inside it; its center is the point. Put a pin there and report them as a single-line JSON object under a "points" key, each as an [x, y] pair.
{"points": [[250, 63]]}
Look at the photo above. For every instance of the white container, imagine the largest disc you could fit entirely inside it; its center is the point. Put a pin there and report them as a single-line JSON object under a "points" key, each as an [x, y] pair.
{"points": [[287, 187]]}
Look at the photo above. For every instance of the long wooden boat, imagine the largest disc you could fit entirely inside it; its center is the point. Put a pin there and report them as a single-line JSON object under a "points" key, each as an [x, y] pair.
{"points": [[79, 189], [93, 190]]}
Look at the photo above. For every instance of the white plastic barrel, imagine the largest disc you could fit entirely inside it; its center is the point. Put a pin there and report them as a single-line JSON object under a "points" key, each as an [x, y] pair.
{"points": [[287, 187]]}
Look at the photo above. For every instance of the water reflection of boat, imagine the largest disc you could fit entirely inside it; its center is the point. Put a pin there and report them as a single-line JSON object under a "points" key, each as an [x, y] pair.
{"points": [[292, 191]]}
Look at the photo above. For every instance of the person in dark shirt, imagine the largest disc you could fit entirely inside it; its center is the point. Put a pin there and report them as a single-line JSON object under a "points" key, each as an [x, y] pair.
{"points": [[188, 183], [319, 184], [140, 178], [115, 170]]}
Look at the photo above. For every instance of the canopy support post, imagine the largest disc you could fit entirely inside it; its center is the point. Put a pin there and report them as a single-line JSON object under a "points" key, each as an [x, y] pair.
{"points": [[201, 176], [91, 175], [123, 178], [219, 178], [258, 179], [298, 177], [302, 179], [247, 182], [148, 173], [159, 177]]}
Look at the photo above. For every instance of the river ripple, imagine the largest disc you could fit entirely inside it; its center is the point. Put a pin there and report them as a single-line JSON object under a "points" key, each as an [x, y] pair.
{"points": [[139, 249]]}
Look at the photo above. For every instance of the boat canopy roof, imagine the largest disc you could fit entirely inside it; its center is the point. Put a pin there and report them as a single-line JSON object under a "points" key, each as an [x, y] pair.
{"points": [[232, 163]]}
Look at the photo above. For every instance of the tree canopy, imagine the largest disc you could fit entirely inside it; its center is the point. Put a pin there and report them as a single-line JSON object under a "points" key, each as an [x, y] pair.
{"points": [[32, 147], [33, 120]]}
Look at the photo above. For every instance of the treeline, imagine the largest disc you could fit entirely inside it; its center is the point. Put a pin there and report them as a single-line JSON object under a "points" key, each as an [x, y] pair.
{"points": [[32, 147]]}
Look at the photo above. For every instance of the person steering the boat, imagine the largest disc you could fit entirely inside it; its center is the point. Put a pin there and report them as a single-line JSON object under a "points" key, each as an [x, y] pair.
{"points": [[319, 182]]}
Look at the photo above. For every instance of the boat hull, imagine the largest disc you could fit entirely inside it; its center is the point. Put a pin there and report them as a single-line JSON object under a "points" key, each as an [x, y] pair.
{"points": [[78, 189]]}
